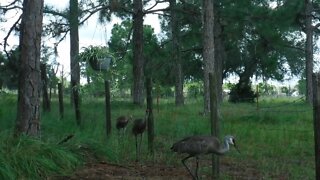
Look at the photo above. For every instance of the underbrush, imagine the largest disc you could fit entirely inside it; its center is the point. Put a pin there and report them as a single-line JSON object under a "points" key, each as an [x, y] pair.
{"points": [[28, 158], [275, 139]]}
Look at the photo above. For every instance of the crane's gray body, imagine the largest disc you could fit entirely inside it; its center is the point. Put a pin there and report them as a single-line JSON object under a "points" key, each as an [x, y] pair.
{"points": [[198, 145], [122, 122], [138, 128]]}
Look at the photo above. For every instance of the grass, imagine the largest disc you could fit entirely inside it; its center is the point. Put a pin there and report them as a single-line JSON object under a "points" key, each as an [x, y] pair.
{"points": [[275, 140], [27, 158]]}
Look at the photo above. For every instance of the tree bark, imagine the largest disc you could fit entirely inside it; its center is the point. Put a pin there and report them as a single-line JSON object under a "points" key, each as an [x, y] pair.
{"points": [[316, 123], [74, 62], [179, 99], [309, 51], [220, 54], [208, 49], [214, 119], [108, 107], [45, 96], [28, 114], [150, 120], [61, 105], [138, 59]]}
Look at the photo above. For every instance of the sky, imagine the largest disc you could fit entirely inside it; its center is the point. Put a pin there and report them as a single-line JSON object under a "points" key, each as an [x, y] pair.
{"points": [[91, 33]]}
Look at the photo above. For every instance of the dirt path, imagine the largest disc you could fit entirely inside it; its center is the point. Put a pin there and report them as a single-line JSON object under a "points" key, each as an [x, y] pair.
{"points": [[103, 170]]}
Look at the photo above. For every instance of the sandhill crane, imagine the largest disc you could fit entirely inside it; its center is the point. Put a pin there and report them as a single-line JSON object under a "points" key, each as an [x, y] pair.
{"points": [[199, 145], [139, 126], [122, 123]]}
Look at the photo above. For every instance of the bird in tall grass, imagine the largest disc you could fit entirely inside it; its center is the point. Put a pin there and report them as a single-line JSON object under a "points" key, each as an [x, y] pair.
{"points": [[122, 122], [138, 128], [195, 146]]}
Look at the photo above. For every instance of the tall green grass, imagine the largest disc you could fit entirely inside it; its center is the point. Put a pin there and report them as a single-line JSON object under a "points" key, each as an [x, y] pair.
{"points": [[275, 138], [28, 158]]}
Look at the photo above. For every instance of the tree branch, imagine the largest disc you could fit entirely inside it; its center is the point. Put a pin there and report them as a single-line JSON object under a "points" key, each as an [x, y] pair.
{"points": [[157, 2], [8, 35], [92, 13], [10, 6], [54, 12], [127, 45], [156, 10]]}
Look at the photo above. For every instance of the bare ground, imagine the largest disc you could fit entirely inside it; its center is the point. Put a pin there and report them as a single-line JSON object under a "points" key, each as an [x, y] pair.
{"points": [[137, 171]]}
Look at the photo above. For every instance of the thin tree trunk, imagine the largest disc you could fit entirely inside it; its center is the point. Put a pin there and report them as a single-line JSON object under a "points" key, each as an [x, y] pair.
{"points": [[208, 49], [28, 114], [220, 55], [45, 96], [150, 122], [316, 120], [74, 63], [309, 50], [61, 105], [215, 120], [108, 107], [138, 59], [179, 99]]}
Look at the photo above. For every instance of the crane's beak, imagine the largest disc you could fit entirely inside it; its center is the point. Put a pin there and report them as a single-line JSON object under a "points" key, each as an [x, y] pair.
{"points": [[235, 146]]}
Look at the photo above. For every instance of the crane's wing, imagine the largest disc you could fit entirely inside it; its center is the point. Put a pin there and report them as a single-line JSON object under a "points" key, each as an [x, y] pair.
{"points": [[194, 145]]}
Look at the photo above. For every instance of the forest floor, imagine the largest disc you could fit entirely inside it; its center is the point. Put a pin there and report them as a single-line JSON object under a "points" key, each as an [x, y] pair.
{"points": [[137, 171]]}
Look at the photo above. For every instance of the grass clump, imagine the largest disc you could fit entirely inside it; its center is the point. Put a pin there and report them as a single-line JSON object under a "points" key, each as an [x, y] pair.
{"points": [[28, 158]]}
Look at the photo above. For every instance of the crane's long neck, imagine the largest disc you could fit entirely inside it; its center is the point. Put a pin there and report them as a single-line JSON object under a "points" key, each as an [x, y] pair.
{"points": [[146, 117], [224, 148]]}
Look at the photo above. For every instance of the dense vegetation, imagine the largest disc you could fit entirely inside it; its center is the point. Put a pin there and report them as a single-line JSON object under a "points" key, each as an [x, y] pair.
{"points": [[276, 140], [262, 39]]}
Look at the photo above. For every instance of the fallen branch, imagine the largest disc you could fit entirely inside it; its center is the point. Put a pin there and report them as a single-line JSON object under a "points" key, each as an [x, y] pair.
{"points": [[66, 139]]}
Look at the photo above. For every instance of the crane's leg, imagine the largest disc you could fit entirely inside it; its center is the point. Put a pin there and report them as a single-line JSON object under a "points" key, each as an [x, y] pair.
{"points": [[197, 166], [183, 162], [119, 138], [136, 148], [140, 145], [124, 130]]}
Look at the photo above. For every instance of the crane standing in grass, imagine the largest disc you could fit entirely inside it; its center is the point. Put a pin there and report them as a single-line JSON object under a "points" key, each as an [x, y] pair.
{"points": [[139, 126], [198, 145], [122, 123]]}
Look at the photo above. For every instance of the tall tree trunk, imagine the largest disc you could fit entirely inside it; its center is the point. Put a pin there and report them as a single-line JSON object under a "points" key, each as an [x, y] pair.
{"points": [[44, 80], [74, 62], [28, 115], [309, 50], [208, 49], [61, 105], [138, 60], [108, 107], [220, 54], [179, 99], [150, 119]]}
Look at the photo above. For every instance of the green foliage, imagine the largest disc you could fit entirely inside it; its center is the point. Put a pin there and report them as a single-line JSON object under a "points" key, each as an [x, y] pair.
{"points": [[10, 69], [94, 55], [252, 46], [194, 89], [256, 47], [266, 89], [274, 139], [242, 92], [27, 158], [287, 90], [301, 86]]}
